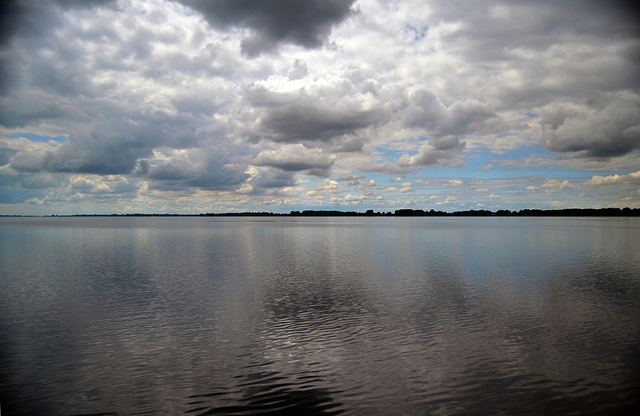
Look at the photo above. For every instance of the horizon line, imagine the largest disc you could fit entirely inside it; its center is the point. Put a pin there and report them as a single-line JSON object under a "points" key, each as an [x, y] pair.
{"points": [[405, 212]]}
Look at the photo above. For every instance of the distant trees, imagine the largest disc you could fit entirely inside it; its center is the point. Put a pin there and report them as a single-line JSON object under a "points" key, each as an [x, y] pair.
{"points": [[569, 212], [406, 212]]}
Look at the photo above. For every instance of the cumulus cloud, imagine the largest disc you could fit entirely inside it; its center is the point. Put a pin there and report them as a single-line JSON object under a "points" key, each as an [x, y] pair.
{"points": [[406, 187], [445, 125], [623, 188], [291, 191], [350, 180], [327, 186], [533, 26], [439, 152], [297, 157], [607, 132], [97, 184], [197, 168], [370, 184], [108, 149], [273, 22], [349, 199], [453, 182], [427, 111], [28, 18], [302, 116], [448, 200], [263, 178], [631, 179], [555, 185]]}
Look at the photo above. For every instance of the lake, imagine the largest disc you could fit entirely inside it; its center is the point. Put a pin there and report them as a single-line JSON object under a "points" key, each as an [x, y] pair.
{"points": [[319, 315]]}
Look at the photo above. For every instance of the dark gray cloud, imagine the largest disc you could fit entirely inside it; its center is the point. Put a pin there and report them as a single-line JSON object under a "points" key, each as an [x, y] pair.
{"points": [[104, 157], [306, 23], [348, 144], [549, 50], [10, 11], [438, 150], [350, 180], [533, 25], [607, 132], [30, 106], [26, 18], [12, 193], [267, 178], [114, 145], [275, 179], [426, 111], [197, 168], [290, 118], [295, 158], [32, 181], [6, 154], [295, 122]]}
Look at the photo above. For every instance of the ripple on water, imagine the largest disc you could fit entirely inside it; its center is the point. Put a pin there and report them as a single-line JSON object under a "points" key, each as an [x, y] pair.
{"points": [[412, 318], [270, 393]]}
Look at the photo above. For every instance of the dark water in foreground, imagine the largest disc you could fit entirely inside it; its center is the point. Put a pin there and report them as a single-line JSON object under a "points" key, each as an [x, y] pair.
{"points": [[305, 316]]}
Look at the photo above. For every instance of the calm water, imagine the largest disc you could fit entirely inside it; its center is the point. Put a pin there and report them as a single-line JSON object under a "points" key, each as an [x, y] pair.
{"points": [[304, 316]]}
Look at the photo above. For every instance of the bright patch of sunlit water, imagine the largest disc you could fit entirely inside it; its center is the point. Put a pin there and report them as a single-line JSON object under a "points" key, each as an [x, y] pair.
{"points": [[294, 315]]}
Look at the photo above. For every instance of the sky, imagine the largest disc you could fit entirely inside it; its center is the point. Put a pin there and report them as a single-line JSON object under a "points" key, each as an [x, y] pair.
{"points": [[194, 106]]}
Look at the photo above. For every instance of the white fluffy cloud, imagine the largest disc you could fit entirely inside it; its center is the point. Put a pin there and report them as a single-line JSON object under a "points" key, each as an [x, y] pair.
{"points": [[630, 179], [555, 185], [327, 186]]}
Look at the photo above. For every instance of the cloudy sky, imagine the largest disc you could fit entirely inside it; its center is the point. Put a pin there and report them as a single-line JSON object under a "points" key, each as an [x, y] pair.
{"points": [[189, 106]]}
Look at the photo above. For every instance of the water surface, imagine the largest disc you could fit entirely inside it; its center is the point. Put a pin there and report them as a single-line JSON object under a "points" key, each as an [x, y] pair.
{"points": [[294, 315]]}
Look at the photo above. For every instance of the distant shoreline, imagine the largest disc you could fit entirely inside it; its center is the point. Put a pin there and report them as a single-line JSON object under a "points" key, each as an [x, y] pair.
{"points": [[569, 212]]}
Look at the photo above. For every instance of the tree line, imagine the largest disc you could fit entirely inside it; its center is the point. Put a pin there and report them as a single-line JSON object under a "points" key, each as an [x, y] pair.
{"points": [[528, 212]]}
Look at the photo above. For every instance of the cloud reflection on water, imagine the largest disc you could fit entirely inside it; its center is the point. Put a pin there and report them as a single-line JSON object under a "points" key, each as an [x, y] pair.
{"points": [[356, 315]]}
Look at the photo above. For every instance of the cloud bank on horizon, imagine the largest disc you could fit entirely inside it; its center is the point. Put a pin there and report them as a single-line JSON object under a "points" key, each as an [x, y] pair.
{"points": [[187, 106]]}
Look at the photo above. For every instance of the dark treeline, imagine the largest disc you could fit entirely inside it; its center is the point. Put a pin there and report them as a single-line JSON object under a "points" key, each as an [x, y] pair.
{"points": [[569, 212]]}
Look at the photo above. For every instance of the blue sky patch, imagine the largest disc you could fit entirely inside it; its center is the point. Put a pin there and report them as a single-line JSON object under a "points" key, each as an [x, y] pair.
{"points": [[38, 138]]}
